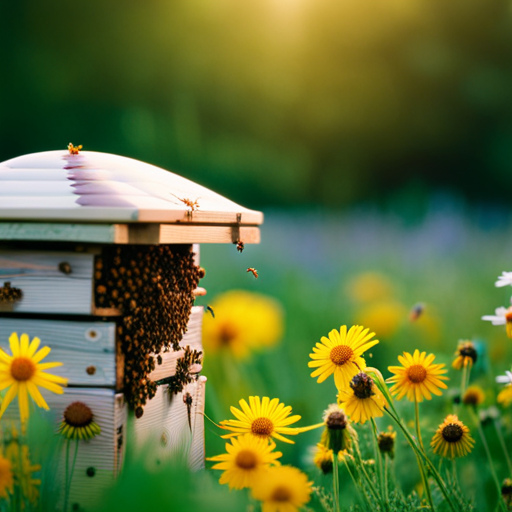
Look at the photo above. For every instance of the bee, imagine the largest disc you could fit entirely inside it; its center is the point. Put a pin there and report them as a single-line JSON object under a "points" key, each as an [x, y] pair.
{"points": [[239, 246], [193, 205], [210, 309], [416, 311], [188, 400], [253, 271], [74, 150]]}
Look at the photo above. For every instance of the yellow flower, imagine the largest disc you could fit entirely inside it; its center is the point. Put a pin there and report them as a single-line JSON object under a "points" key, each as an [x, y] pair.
{"points": [[247, 457], [263, 418], [369, 287], [417, 378], [364, 400], [466, 355], [78, 422], [505, 396], [386, 442], [323, 458], [6, 480], [341, 354], [23, 373], [282, 489], [474, 395], [384, 316], [452, 438], [244, 321]]}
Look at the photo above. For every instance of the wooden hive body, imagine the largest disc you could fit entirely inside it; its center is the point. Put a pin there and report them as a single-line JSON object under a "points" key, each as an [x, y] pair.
{"points": [[60, 215]]}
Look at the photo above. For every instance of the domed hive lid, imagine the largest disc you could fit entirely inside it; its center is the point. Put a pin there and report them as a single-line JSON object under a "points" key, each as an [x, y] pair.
{"points": [[100, 187]]}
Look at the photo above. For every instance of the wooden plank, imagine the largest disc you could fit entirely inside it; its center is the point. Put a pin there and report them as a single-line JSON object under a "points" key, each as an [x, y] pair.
{"points": [[98, 453], [46, 289], [86, 349], [53, 232], [164, 430], [190, 234]]}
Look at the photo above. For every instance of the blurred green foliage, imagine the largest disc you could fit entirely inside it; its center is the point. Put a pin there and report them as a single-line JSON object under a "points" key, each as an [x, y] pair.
{"points": [[270, 102]]}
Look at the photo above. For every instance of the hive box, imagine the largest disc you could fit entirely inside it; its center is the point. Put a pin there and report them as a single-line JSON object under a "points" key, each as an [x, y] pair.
{"points": [[99, 258]]}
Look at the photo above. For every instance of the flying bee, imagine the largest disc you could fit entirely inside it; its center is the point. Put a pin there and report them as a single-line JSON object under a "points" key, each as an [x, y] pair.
{"points": [[188, 400], [239, 246], [74, 150], [65, 268], [416, 311], [210, 309], [253, 271]]}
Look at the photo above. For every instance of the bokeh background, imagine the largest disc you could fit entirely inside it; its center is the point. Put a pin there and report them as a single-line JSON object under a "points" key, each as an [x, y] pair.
{"points": [[376, 136]]}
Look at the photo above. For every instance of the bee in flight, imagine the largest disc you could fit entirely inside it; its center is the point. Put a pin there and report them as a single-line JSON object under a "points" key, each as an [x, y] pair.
{"points": [[416, 311], [210, 309], [253, 271]]}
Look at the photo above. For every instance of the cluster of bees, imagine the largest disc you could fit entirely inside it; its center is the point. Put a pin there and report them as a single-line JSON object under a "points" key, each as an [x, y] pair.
{"points": [[153, 288], [9, 294]]}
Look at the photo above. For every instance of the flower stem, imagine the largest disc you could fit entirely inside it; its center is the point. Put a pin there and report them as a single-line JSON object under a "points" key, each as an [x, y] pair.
{"points": [[378, 461], [336, 482], [69, 473], [424, 474], [497, 426], [478, 424], [425, 460], [357, 483]]}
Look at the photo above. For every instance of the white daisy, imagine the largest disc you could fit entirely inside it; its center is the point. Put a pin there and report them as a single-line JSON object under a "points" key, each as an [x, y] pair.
{"points": [[504, 280], [500, 318], [505, 379]]}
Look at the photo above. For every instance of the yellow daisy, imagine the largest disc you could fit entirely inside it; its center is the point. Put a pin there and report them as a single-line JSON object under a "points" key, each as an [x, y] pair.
{"points": [[6, 479], [247, 456], [340, 354], [22, 373], [452, 438], [263, 418], [244, 322], [505, 396], [364, 400], [417, 378], [386, 442], [466, 355], [474, 396], [78, 422], [282, 489]]}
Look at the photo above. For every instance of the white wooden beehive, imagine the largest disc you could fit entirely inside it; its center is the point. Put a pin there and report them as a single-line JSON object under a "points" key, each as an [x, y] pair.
{"points": [[59, 213]]}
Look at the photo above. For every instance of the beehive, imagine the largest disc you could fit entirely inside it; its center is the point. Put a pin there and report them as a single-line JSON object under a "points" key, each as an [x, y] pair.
{"points": [[99, 258]]}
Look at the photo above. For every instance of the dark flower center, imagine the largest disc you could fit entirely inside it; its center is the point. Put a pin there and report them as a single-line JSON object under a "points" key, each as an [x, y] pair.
{"points": [[362, 385], [77, 414], [281, 493], [468, 351], [452, 433], [262, 427], [246, 459], [22, 369], [340, 354], [336, 420]]}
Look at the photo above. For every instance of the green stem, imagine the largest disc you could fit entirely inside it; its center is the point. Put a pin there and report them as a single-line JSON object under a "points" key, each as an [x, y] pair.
{"points": [[357, 484], [378, 462], [463, 381], [497, 426], [476, 420], [360, 464], [66, 476], [424, 459], [69, 476], [424, 474], [335, 482]]}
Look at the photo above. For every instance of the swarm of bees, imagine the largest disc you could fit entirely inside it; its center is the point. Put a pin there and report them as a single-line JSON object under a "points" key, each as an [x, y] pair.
{"points": [[9, 294], [153, 287], [253, 271], [183, 375], [74, 150]]}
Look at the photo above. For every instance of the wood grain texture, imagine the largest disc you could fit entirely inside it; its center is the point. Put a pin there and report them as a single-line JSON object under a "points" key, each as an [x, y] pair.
{"points": [[183, 234], [78, 345], [45, 288], [164, 431]]}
